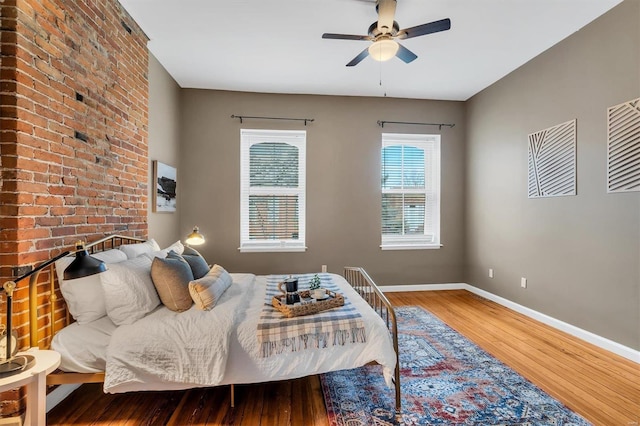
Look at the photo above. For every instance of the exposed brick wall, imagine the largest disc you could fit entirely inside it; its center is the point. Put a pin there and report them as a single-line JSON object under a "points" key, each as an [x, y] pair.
{"points": [[73, 140]]}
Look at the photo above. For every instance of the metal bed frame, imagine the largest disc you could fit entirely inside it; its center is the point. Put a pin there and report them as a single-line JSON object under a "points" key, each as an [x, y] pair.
{"points": [[355, 276], [364, 285]]}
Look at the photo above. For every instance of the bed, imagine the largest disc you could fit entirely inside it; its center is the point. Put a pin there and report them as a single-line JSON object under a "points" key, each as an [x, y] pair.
{"points": [[196, 348]]}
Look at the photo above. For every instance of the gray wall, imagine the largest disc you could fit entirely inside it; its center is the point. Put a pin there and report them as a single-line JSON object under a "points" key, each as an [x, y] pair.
{"points": [[343, 182], [164, 144], [580, 254]]}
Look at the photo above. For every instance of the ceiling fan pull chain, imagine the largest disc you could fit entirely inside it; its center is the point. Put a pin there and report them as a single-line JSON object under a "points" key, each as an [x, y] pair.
{"points": [[384, 91]]}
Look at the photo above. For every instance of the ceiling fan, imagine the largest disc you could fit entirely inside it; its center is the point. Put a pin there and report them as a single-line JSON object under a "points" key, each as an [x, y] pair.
{"points": [[383, 32]]}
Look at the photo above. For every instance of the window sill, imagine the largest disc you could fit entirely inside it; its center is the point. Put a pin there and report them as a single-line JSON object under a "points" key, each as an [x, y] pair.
{"points": [[272, 249], [410, 246]]}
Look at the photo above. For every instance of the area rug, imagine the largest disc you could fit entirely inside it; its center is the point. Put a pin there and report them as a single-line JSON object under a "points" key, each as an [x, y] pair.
{"points": [[445, 380]]}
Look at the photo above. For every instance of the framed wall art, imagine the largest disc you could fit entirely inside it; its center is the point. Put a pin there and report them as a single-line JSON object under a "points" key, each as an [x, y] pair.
{"points": [[552, 161], [623, 147], [164, 195]]}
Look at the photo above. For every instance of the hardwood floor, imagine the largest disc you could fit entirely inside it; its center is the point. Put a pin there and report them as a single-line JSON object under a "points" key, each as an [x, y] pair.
{"points": [[602, 387]]}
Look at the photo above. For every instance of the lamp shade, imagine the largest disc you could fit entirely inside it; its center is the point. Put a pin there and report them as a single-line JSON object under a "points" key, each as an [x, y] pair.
{"points": [[195, 238], [83, 266], [383, 50]]}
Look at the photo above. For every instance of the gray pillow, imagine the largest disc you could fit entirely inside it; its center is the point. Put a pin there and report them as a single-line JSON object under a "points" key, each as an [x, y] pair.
{"points": [[171, 277], [199, 266]]}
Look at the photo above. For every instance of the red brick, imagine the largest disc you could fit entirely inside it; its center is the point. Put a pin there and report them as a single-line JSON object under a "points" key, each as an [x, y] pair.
{"points": [[47, 156], [33, 234], [87, 229], [63, 188], [48, 221], [74, 220], [61, 211], [33, 257], [96, 219], [30, 144], [63, 230], [37, 177], [25, 222], [32, 210], [49, 200], [47, 112], [32, 188]]}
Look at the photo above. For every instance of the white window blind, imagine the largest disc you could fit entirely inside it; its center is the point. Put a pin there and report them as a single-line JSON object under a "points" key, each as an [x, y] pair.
{"points": [[272, 190], [410, 181]]}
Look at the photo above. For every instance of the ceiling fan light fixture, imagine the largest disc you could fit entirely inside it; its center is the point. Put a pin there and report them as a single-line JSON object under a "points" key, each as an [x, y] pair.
{"points": [[383, 50]]}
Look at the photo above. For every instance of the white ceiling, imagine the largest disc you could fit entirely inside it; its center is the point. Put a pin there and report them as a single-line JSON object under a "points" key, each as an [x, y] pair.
{"points": [[276, 46]]}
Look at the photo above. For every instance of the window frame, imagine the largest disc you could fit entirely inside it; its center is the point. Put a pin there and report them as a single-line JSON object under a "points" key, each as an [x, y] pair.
{"points": [[430, 239], [248, 138]]}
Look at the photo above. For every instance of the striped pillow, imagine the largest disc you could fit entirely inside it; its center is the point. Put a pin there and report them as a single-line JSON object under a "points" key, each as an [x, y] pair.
{"points": [[206, 291]]}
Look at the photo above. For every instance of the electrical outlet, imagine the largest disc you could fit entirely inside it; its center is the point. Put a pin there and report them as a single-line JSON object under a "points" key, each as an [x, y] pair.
{"points": [[324, 268], [490, 272], [523, 282]]}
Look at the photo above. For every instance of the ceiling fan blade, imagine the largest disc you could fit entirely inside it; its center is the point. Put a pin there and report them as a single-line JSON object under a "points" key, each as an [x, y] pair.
{"points": [[405, 54], [345, 36], [386, 14], [431, 27], [359, 58]]}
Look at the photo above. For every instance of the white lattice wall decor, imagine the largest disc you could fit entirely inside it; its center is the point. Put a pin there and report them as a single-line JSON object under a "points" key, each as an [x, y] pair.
{"points": [[552, 161], [623, 147]]}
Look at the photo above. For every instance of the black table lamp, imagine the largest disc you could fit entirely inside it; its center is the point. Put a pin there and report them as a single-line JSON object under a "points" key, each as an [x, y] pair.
{"points": [[82, 266]]}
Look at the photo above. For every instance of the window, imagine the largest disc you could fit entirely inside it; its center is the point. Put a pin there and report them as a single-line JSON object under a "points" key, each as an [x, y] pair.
{"points": [[272, 190], [410, 181]]}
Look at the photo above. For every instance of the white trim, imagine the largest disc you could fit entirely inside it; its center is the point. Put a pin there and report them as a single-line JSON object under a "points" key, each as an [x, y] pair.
{"points": [[56, 396], [272, 249], [410, 246], [421, 287], [430, 145], [602, 342], [249, 138]]}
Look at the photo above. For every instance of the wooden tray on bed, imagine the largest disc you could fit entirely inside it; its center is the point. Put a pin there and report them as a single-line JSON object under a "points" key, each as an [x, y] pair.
{"points": [[308, 305]]}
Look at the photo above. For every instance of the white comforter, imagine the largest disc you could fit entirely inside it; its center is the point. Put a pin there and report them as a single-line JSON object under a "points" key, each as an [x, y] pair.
{"points": [[168, 350]]}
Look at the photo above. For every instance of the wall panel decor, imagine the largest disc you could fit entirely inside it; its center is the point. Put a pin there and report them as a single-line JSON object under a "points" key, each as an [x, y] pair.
{"points": [[623, 147], [552, 161]]}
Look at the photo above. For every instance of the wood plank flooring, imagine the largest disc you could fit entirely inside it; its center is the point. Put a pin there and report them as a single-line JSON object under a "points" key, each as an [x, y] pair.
{"points": [[602, 387]]}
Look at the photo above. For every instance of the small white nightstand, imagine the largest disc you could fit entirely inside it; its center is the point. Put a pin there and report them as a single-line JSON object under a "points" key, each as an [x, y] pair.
{"points": [[35, 379]]}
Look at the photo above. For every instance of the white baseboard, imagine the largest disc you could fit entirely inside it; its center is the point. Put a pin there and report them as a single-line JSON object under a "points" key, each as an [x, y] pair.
{"points": [[587, 336], [56, 396], [422, 287]]}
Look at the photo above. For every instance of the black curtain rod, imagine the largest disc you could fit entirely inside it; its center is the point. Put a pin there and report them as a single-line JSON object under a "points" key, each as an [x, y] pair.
{"points": [[381, 123], [306, 120]]}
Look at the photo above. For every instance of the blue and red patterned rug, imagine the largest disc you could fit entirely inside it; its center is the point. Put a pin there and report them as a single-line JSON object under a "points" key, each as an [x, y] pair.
{"points": [[445, 380]]}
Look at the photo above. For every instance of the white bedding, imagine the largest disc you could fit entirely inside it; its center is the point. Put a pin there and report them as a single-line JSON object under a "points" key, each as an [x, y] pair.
{"points": [[83, 347], [168, 350]]}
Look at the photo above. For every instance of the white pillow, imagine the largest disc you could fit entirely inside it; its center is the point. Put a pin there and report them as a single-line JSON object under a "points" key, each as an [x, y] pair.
{"points": [[84, 296], [129, 293], [177, 247], [135, 250]]}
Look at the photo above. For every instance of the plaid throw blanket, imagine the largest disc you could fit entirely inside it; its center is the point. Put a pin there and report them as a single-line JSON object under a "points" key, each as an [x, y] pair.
{"points": [[337, 326]]}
